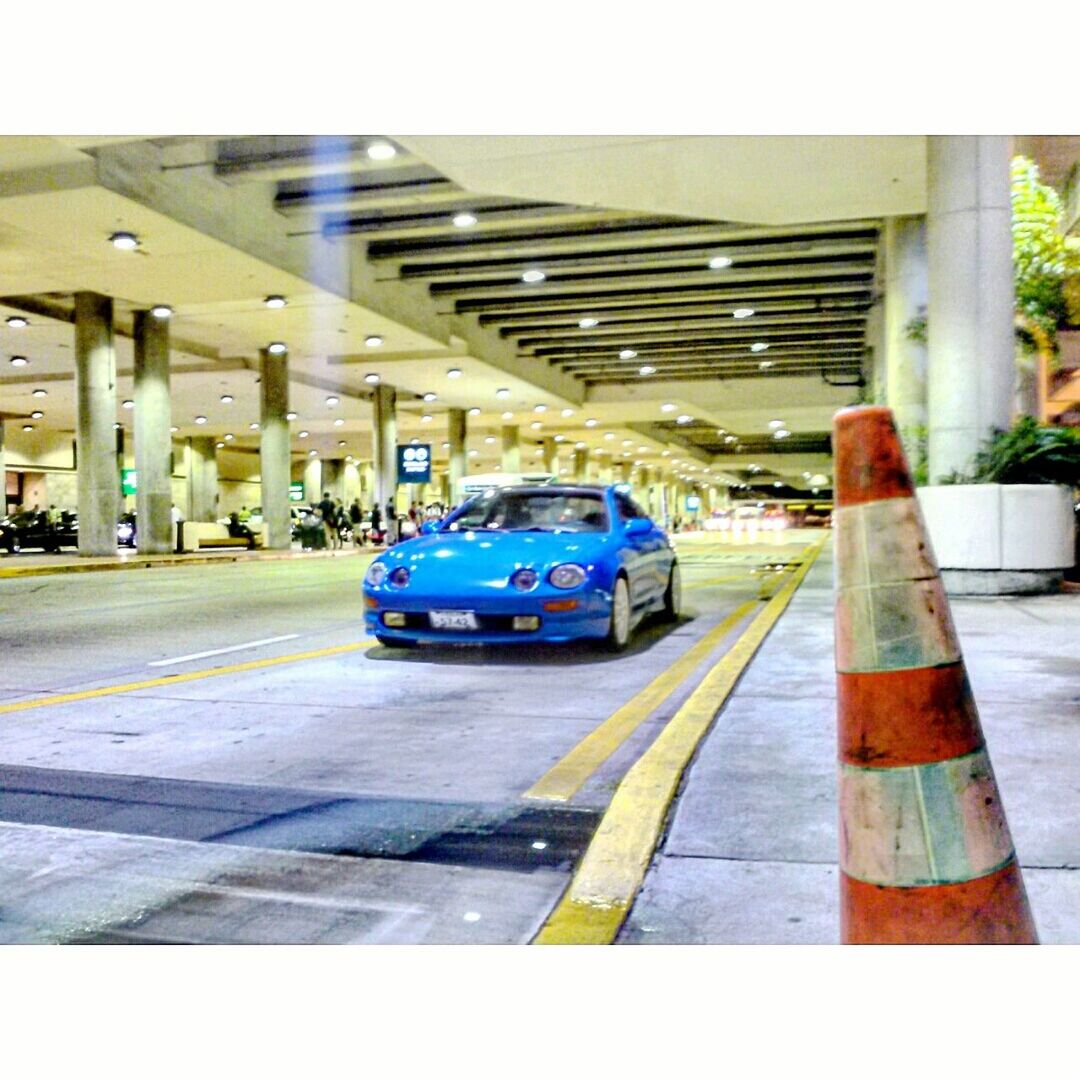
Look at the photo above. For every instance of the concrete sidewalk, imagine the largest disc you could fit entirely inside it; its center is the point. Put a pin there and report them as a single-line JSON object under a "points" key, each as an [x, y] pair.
{"points": [[751, 851]]}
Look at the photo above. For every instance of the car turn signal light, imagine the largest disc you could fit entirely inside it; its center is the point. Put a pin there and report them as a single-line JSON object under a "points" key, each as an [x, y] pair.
{"points": [[560, 605]]}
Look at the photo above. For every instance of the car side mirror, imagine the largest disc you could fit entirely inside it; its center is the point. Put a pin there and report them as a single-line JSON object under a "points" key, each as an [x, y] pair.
{"points": [[638, 526]]}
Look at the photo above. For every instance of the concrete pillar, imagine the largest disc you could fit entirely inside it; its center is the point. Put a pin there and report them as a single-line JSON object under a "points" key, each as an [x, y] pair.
{"points": [[384, 444], [970, 318], [511, 448], [313, 480], [906, 295], [581, 465], [550, 455], [456, 420], [202, 479], [95, 392], [153, 441], [603, 470], [275, 455], [3, 472], [626, 472]]}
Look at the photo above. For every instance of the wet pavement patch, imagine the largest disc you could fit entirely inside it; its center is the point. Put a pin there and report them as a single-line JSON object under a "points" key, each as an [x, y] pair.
{"points": [[502, 836]]}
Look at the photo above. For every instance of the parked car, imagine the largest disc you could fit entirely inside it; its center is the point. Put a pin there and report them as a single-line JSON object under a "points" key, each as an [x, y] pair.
{"points": [[529, 563], [31, 529]]}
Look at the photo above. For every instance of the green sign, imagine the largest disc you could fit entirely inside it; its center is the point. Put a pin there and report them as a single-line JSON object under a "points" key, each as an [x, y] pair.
{"points": [[128, 480], [296, 491]]}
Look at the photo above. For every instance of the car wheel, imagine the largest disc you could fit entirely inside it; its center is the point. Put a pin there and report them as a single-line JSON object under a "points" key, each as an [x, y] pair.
{"points": [[394, 643], [619, 629], [673, 595]]}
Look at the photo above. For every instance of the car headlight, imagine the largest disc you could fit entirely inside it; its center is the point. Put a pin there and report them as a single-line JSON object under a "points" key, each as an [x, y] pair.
{"points": [[376, 574], [524, 579], [399, 576], [567, 576]]}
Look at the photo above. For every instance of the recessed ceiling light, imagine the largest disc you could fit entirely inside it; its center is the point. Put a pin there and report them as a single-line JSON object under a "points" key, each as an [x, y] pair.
{"points": [[174, 429], [473, 453], [339, 422], [313, 453], [429, 396], [765, 365], [464, 220], [502, 392], [371, 378], [607, 434], [276, 347], [489, 438], [124, 241], [426, 418], [454, 373], [539, 408], [200, 419], [414, 441], [774, 424], [536, 425], [227, 399], [332, 401], [560, 438], [290, 416], [719, 262], [646, 369], [743, 312], [591, 422], [759, 346], [642, 449], [579, 446], [37, 414], [627, 354], [228, 437], [19, 361], [275, 301], [533, 276], [730, 439], [665, 453], [17, 322], [253, 426], [127, 404], [567, 413], [628, 442], [508, 416], [381, 151], [588, 324], [781, 433], [474, 411], [373, 341], [304, 434], [161, 311], [446, 446], [40, 393], [684, 418]]}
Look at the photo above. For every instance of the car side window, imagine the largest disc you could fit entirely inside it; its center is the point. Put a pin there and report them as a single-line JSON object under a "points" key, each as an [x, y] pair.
{"points": [[626, 506]]}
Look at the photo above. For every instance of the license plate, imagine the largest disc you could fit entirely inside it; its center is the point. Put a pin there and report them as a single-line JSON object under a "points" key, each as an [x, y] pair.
{"points": [[453, 620]]}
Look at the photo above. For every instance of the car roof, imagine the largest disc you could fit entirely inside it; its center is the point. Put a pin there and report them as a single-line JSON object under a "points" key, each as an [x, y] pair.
{"points": [[548, 489]]}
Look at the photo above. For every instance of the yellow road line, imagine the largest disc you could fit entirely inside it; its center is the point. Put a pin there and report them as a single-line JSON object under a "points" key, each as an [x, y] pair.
{"points": [[614, 866], [562, 780], [187, 676], [690, 584]]}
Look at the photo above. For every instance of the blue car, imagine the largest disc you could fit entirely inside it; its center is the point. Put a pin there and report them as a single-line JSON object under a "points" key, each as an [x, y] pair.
{"points": [[551, 562]]}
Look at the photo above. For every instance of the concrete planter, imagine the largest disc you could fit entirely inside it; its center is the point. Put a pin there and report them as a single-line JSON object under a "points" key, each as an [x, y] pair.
{"points": [[992, 539]]}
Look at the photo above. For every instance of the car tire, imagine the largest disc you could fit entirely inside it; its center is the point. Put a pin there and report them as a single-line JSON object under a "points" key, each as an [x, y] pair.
{"points": [[618, 635], [672, 595], [394, 643]]}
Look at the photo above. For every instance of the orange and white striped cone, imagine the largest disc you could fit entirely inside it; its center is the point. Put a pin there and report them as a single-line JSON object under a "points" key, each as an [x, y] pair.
{"points": [[925, 851]]}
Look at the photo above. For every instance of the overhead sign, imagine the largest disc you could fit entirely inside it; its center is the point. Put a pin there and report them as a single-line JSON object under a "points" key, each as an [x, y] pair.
{"points": [[414, 464], [128, 481], [296, 491], [693, 502]]}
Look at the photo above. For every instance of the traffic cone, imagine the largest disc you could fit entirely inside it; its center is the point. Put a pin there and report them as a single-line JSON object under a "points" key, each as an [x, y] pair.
{"points": [[925, 851]]}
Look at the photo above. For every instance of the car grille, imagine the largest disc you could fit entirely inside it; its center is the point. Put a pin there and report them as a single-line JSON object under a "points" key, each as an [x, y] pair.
{"points": [[418, 620]]}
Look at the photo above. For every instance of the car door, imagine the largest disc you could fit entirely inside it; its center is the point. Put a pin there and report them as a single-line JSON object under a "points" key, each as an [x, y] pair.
{"points": [[657, 552], [638, 553]]}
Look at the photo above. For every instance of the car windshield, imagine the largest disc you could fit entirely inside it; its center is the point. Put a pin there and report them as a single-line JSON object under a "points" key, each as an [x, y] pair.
{"points": [[534, 511]]}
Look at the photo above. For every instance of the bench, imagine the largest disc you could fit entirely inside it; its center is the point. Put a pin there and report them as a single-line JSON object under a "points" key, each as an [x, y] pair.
{"points": [[201, 535]]}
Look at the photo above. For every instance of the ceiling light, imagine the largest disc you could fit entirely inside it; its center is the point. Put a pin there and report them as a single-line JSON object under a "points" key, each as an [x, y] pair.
{"points": [[668, 407], [759, 346], [781, 433], [454, 373], [426, 418], [414, 441], [37, 414], [665, 453], [536, 425], [381, 151], [331, 401], [128, 404], [17, 322], [579, 446], [40, 393], [776, 483], [116, 427], [446, 446], [743, 312], [220, 445], [373, 341], [627, 354], [502, 392], [532, 276], [228, 437], [474, 411], [161, 311], [19, 361], [719, 262], [473, 453], [276, 348], [429, 396], [489, 438], [174, 429], [371, 377], [560, 438], [642, 449], [539, 408], [275, 301], [591, 422], [683, 418], [200, 419], [227, 399], [304, 434], [628, 442], [124, 241], [338, 422], [290, 416], [464, 220], [765, 365], [313, 453], [588, 324], [508, 416], [253, 426], [607, 434], [646, 369], [567, 413]]}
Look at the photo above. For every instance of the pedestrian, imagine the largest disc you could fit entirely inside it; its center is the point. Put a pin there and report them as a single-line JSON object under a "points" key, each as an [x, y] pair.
{"points": [[356, 516], [326, 509], [240, 531], [178, 524]]}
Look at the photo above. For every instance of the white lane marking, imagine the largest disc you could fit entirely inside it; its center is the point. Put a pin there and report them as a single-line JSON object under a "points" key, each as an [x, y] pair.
{"points": [[218, 652]]}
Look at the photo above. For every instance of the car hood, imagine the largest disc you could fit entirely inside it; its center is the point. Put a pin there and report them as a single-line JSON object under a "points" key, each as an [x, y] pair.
{"points": [[490, 557]]}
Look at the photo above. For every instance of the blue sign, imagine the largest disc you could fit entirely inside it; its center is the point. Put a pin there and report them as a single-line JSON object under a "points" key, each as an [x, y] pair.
{"points": [[693, 502], [414, 464]]}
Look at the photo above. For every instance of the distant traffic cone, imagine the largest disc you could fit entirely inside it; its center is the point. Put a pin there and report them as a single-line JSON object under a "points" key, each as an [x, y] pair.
{"points": [[925, 851]]}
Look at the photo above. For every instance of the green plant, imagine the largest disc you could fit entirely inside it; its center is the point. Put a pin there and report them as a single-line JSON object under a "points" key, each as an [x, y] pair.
{"points": [[915, 438], [915, 328], [1028, 453]]}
